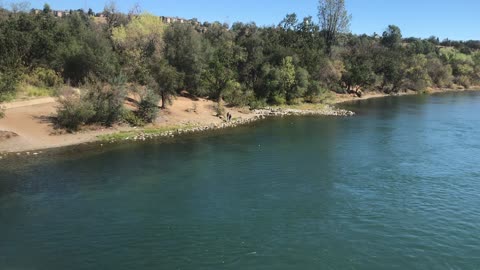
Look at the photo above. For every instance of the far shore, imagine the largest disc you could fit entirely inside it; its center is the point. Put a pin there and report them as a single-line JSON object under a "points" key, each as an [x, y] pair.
{"points": [[27, 128]]}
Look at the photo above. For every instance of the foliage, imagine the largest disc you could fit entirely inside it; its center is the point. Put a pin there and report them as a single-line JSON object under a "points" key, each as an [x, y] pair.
{"points": [[334, 19], [43, 77], [148, 107], [131, 118], [318, 94], [107, 101], [237, 95], [416, 73], [184, 51], [440, 73], [73, 111], [35, 91], [300, 59], [220, 71], [392, 37], [165, 79], [137, 42]]}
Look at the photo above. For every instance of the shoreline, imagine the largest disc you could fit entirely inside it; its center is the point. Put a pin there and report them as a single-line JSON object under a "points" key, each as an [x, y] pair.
{"points": [[18, 145]]}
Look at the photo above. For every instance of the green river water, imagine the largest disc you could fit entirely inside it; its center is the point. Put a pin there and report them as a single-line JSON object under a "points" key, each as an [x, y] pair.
{"points": [[395, 187]]}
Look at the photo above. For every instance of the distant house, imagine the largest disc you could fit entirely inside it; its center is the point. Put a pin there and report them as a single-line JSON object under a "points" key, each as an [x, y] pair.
{"points": [[166, 19]]}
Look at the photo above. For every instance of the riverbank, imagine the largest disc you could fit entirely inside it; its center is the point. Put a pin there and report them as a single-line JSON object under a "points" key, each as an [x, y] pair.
{"points": [[27, 125]]}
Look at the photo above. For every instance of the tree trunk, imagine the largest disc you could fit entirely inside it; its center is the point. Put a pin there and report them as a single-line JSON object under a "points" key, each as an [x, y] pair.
{"points": [[164, 100]]}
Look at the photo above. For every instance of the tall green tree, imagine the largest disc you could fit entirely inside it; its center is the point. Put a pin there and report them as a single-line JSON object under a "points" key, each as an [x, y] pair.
{"points": [[185, 50], [165, 80]]}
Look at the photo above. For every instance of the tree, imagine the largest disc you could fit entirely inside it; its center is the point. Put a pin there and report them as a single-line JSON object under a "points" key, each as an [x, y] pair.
{"points": [[22, 6], [392, 37], [287, 77], [359, 67], [46, 9], [416, 73], [221, 68], [90, 12], [248, 36], [334, 19], [185, 51], [166, 80], [137, 42], [289, 22]]}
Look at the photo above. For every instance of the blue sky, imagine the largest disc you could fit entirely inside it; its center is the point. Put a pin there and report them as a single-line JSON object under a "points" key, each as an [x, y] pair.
{"points": [[419, 18]]}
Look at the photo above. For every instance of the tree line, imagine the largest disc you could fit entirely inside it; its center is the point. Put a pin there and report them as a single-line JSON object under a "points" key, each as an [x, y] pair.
{"points": [[298, 60]]}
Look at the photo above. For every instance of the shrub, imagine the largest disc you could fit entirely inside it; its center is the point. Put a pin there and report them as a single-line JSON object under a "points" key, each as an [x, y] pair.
{"points": [[131, 118], [463, 81], [2, 112], [257, 104], [278, 99], [73, 112], [318, 94], [100, 103], [107, 102], [35, 91], [8, 85], [237, 96], [148, 107], [219, 109], [42, 77]]}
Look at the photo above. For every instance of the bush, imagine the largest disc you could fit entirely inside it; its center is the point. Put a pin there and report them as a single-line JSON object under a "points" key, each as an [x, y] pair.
{"points": [[463, 81], [8, 85], [107, 102], [318, 94], [236, 96], [131, 118], [35, 91], [257, 104], [42, 77], [148, 107], [73, 112], [2, 112], [278, 99], [219, 109], [100, 103]]}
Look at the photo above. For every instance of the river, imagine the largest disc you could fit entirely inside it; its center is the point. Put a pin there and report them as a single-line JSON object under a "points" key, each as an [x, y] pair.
{"points": [[395, 187]]}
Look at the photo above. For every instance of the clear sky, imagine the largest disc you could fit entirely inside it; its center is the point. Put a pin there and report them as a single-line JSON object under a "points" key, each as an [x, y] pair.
{"points": [[419, 18]]}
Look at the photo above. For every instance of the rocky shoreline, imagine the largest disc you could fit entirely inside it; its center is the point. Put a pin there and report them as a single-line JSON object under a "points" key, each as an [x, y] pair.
{"points": [[327, 111], [259, 114], [138, 134]]}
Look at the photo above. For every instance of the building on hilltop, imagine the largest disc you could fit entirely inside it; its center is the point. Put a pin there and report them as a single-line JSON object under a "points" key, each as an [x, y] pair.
{"points": [[166, 19]]}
